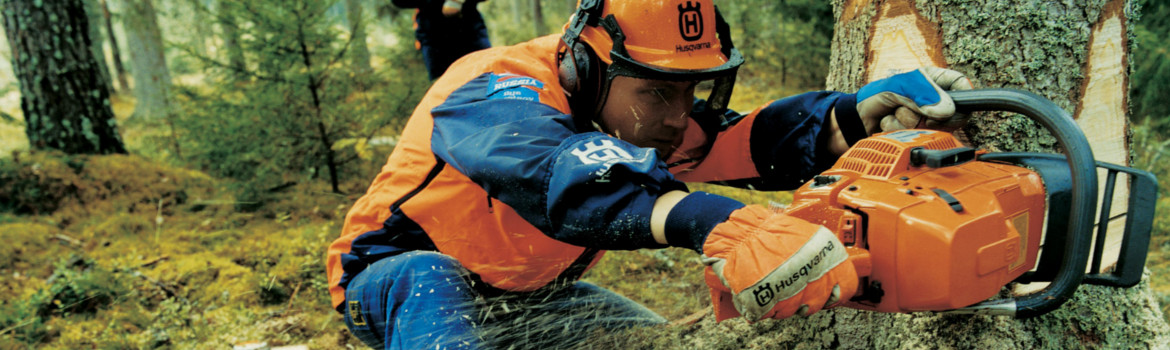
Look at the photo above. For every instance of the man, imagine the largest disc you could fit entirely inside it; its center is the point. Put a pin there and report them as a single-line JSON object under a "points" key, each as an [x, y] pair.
{"points": [[445, 30], [523, 164]]}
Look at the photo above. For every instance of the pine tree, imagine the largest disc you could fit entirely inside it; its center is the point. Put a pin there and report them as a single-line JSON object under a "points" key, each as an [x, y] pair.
{"points": [[65, 102]]}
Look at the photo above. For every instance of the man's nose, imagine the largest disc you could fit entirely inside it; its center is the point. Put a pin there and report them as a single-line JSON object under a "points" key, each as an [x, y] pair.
{"points": [[676, 117]]}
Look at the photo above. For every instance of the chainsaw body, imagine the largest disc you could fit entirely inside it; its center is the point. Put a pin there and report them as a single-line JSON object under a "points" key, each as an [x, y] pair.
{"points": [[938, 237], [931, 225]]}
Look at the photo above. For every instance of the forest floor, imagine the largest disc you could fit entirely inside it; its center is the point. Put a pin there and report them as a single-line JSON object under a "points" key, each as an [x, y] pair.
{"points": [[124, 252]]}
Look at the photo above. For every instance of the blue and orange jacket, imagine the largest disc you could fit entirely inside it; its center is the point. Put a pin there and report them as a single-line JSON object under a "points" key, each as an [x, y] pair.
{"points": [[492, 170]]}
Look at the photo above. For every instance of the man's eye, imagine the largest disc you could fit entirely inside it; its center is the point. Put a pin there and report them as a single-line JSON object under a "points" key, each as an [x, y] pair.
{"points": [[663, 94]]}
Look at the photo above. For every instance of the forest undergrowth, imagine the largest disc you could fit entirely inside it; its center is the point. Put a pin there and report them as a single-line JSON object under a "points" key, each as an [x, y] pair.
{"points": [[140, 251], [121, 251]]}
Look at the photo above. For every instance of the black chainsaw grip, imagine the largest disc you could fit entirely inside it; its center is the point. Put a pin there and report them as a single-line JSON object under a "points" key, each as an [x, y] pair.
{"points": [[1084, 186]]}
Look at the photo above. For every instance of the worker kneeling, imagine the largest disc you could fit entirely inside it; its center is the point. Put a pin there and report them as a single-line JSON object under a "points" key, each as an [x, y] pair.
{"points": [[523, 164]]}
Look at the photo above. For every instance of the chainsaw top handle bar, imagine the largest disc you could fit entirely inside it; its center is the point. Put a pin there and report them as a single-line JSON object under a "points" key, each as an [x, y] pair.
{"points": [[1084, 192]]}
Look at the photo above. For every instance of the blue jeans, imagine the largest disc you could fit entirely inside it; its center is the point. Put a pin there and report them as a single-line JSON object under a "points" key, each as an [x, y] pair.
{"points": [[424, 300]]}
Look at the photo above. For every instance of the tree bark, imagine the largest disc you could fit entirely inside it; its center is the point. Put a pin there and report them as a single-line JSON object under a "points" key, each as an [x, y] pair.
{"points": [[115, 51], [359, 53], [66, 106], [152, 79], [1075, 55]]}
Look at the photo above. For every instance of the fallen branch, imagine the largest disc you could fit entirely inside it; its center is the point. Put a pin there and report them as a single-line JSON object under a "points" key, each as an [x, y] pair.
{"points": [[695, 317], [64, 238], [293, 296], [22, 324], [155, 261]]}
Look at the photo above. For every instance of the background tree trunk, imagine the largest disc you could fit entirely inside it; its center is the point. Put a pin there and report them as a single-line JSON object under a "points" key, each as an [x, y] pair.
{"points": [[93, 10], [152, 79], [231, 37], [359, 53], [199, 14], [115, 51], [537, 19], [66, 106]]}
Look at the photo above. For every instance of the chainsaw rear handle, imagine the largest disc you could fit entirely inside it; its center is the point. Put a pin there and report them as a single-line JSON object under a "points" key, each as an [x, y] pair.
{"points": [[1082, 167]]}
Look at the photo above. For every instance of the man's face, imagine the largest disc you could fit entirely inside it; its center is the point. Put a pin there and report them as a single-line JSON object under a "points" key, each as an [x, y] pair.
{"points": [[648, 113]]}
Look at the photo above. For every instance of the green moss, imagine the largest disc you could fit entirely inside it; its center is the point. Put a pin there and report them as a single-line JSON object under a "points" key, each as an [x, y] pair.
{"points": [[208, 278], [28, 247], [46, 182], [120, 225], [36, 183]]}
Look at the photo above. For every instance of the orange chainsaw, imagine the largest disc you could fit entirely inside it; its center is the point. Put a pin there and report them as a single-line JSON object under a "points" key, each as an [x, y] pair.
{"points": [[931, 225]]}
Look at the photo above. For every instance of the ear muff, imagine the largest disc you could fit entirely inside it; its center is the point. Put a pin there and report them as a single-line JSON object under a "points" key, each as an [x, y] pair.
{"points": [[579, 68], [580, 74]]}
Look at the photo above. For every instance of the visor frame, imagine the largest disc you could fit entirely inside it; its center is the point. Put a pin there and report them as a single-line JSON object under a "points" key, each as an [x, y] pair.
{"points": [[623, 65]]}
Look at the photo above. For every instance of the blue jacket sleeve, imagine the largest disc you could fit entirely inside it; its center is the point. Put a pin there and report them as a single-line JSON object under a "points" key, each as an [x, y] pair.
{"points": [[582, 188], [776, 147], [787, 139]]}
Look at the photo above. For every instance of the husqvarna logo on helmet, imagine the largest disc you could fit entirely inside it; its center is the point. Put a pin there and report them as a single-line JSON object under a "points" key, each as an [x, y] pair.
{"points": [[690, 21]]}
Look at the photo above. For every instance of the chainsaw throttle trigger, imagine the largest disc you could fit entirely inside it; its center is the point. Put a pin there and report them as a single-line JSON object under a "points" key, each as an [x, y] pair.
{"points": [[941, 158]]}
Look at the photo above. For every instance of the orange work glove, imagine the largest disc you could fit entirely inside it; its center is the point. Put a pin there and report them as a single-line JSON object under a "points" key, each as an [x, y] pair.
{"points": [[765, 264]]}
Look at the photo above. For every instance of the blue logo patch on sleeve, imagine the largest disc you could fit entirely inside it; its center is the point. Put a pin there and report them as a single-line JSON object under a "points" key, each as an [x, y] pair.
{"points": [[512, 86]]}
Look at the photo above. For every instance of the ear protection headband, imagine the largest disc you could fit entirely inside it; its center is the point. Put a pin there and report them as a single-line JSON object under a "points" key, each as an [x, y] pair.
{"points": [[578, 67]]}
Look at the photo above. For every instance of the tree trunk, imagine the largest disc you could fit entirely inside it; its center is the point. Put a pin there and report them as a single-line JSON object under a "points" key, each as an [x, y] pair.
{"points": [[231, 38], [538, 18], [1073, 55], [359, 54], [115, 51], [517, 16], [93, 11], [198, 40], [66, 106], [152, 79]]}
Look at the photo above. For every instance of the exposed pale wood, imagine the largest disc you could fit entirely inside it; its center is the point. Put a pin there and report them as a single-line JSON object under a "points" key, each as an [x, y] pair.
{"points": [[1102, 111], [898, 42]]}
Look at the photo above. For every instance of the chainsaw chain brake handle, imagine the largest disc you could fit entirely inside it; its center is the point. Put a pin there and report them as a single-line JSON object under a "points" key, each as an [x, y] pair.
{"points": [[1068, 242]]}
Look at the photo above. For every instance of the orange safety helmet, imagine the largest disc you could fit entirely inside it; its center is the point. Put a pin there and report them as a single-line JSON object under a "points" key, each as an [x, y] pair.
{"points": [[675, 40]]}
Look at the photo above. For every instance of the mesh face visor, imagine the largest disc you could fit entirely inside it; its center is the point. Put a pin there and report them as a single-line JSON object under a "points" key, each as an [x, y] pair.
{"points": [[723, 76]]}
